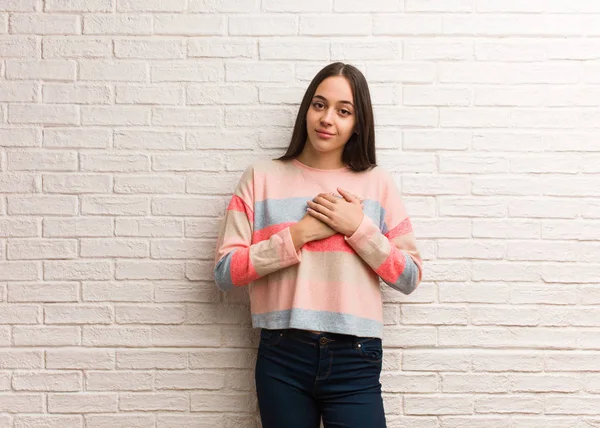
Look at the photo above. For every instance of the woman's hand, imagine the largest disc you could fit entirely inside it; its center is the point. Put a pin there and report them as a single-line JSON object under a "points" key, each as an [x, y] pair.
{"points": [[343, 215]]}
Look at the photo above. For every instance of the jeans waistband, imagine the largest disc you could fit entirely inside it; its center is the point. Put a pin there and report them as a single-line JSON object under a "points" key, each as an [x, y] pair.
{"points": [[322, 338]]}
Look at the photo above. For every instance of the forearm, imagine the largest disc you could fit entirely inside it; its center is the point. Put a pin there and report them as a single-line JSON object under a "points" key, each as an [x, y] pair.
{"points": [[245, 264], [396, 267]]}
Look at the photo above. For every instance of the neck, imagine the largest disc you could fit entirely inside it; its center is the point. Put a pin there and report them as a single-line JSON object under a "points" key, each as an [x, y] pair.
{"points": [[318, 160]]}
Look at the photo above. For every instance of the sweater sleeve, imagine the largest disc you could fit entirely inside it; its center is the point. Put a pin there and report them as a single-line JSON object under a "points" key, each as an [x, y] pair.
{"points": [[391, 253], [238, 262]]}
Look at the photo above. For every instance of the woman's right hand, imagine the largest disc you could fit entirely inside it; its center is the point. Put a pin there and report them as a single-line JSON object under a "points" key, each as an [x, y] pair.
{"points": [[310, 229]]}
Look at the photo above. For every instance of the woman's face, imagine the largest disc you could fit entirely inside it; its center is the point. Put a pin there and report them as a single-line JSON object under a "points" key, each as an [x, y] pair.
{"points": [[331, 118]]}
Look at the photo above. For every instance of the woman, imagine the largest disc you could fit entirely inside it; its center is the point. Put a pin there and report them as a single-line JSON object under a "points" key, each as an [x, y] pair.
{"points": [[311, 233]]}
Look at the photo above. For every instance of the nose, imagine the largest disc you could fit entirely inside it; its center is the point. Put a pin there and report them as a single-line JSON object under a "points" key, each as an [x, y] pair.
{"points": [[327, 119]]}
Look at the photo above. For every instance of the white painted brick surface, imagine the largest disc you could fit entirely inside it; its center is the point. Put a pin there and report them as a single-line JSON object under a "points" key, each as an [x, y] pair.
{"points": [[125, 125]]}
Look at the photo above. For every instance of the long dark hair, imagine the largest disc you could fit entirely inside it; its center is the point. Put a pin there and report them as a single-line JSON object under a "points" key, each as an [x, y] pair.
{"points": [[359, 151]]}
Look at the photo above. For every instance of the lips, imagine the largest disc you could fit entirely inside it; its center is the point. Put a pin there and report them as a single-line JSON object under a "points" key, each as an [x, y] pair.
{"points": [[320, 131]]}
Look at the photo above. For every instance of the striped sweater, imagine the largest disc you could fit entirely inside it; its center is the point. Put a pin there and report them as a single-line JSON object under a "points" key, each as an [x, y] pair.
{"points": [[328, 285]]}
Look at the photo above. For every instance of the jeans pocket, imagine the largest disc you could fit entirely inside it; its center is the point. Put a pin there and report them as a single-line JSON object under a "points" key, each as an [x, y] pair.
{"points": [[270, 337], [370, 349]]}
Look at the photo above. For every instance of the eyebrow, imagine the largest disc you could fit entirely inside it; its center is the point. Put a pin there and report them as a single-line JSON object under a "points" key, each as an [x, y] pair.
{"points": [[325, 99]]}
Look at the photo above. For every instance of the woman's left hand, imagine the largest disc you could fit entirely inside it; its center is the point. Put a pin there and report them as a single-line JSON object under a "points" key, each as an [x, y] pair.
{"points": [[343, 215]]}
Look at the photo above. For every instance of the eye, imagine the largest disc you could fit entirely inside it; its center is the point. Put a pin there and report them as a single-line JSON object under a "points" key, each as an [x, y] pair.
{"points": [[345, 112], [318, 105]]}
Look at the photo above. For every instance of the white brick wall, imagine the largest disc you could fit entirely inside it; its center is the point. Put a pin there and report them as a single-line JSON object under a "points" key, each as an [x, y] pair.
{"points": [[125, 124]]}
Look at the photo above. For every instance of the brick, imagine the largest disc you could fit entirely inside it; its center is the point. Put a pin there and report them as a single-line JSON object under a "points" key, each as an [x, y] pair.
{"points": [[69, 47], [190, 25], [82, 403], [149, 49], [156, 401], [437, 49], [46, 336], [261, 72], [150, 6], [22, 403], [38, 160], [121, 291], [20, 137], [82, 359], [295, 7], [78, 5], [436, 96], [149, 270], [75, 270], [192, 206], [338, 25], [406, 24], [156, 360], [368, 50], [43, 114], [119, 381], [77, 227], [224, 6], [80, 314], [149, 227], [115, 205], [407, 72], [121, 24], [186, 116], [76, 94], [221, 47], [80, 183], [110, 247], [19, 47], [46, 292], [48, 421], [263, 25], [18, 183], [221, 94], [77, 138], [510, 404], [284, 49], [18, 6], [44, 24], [187, 71], [181, 249], [149, 94], [149, 184], [119, 421], [115, 115], [47, 381], [223, 402], [435, 404], [42, 205], [39, 249], [113, 336], [190, 380], [118, 71], [114, 162], [193, 336], [158, 314]]}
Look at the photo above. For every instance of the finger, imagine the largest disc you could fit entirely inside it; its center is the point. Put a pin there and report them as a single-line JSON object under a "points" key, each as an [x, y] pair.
{"points": [[319, 208], [323, 201], [348, 196], [353, 199], [319, 216], [328, 196]]}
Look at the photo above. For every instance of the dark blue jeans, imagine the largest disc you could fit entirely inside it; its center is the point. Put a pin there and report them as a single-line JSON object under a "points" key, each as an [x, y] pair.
{"points": [[303, 376]]}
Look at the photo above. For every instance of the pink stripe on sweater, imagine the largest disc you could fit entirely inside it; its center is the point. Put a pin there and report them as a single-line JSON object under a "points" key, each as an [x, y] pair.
{"points": [[238, 204], [242, 271], [391, 269], [333, 243], [404, 228]]}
